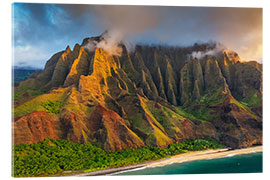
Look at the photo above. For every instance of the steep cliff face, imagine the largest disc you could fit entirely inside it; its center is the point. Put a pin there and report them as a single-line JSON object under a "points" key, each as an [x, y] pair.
{"points": [[153, 96], [35, 127], [191, 81]]}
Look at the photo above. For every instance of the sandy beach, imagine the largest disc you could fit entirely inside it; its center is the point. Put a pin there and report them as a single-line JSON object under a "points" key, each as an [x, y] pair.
{"points": [[189, 156], [200, 155]]}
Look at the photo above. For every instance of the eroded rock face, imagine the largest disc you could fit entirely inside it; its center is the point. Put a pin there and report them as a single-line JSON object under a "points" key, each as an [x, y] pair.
{"points": [[110, 129], [73, 127], [79, 67], [191, 81], [248, 79], [137, 99], [237, 125], [35, 127]]}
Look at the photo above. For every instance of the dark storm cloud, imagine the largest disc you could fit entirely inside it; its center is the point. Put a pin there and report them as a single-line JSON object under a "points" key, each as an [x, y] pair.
{"points": [[53, 26]]}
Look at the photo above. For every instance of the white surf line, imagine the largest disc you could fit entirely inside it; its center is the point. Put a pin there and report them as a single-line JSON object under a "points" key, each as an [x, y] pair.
{"points": [[129, 170]]}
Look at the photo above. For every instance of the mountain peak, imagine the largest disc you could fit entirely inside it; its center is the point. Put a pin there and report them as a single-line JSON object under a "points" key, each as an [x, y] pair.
{"points": [[112, 100], [68, 50]]}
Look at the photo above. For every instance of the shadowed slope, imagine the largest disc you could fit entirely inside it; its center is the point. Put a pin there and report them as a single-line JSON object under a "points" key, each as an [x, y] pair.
{"points": [[153, 96]]}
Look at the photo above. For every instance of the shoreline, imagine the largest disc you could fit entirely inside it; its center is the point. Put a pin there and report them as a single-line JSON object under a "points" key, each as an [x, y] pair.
{"points": [[184, 157]]}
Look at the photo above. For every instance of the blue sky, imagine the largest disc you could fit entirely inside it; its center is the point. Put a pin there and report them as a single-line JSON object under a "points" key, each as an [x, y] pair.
{"points": [[40, 30]]}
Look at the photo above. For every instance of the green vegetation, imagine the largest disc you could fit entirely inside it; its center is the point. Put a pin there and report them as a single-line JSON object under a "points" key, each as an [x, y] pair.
{"points": [[215, 97], [199, 109], [54, 157], [181, 111], [204, 113], [36, 103], [201, 112], [252, 101], [19, 94], [52, 106], [243, 107], [159, 115]]}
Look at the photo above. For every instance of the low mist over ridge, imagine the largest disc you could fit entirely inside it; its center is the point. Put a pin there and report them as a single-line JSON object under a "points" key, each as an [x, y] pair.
{"points": [[115, 47], [151, 96]]}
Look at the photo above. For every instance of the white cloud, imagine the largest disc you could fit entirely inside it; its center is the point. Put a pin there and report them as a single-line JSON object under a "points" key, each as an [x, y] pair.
{"points": [[211, 52], [30, 56]]}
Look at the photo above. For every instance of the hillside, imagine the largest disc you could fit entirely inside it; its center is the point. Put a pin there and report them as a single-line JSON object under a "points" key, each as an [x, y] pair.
{"points": [[152, 96], [21, 74]]}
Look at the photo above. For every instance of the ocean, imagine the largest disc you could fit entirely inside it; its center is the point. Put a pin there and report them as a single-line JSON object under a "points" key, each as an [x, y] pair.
{"points": [[244, 163]]}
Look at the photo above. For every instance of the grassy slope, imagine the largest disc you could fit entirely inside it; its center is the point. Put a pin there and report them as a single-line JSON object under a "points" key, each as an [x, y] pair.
{"points": [[37, 103], [200, 110], [254, 100]]}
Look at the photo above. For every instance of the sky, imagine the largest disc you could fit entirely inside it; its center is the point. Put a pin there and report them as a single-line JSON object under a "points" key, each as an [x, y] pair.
{"points": [[41, 30]]}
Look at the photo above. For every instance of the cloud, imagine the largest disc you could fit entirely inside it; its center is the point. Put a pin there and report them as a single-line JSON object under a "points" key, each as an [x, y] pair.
{"points": [[218, 48], [233, 27], [109, 42], [201, 54], [53, 26], [46, 28], [240, 27], [34, 55], [123, 22]]}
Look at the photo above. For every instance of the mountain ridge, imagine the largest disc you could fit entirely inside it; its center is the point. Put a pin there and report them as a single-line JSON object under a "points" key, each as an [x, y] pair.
{"points": [[153, 96]]}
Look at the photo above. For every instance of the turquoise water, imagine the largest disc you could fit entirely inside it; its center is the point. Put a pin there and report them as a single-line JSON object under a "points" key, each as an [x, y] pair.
{"points": [[246, 163]]}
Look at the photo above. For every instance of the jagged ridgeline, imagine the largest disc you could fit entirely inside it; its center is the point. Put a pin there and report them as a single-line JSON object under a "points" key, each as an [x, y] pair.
{"points": [[152, 96]]}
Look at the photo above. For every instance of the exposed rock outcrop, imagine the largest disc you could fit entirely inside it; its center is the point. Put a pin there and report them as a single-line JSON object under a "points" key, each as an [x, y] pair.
{"points": [[153, 96], [35, 127]]}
